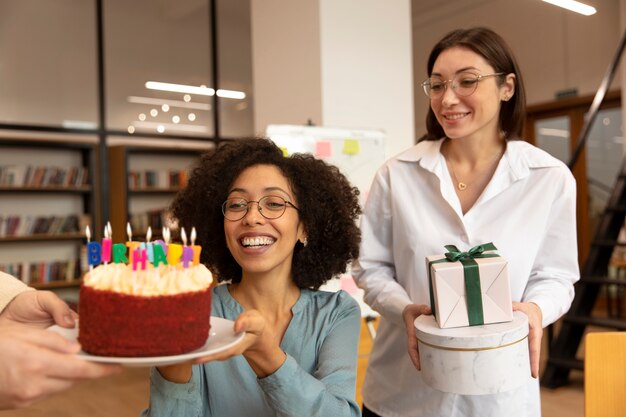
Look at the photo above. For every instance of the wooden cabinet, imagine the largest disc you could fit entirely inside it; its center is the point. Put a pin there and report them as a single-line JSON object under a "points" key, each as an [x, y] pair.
{"points": [[144, 179], [48, 194]]}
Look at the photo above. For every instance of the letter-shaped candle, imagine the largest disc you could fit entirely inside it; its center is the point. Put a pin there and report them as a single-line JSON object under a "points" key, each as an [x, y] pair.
{"points": [[106, 245], [196, 248], [119, 253], [159, 253], [187, 250], [93, 250], [130, 244], [140, 256], [149, 245]]}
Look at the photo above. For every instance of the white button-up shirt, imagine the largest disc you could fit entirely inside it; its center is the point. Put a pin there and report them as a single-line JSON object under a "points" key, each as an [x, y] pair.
{"points": [[528, 210]]}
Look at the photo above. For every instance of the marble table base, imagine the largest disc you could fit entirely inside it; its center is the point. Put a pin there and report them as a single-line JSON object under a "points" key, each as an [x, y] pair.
{"points": [[475, 360]]}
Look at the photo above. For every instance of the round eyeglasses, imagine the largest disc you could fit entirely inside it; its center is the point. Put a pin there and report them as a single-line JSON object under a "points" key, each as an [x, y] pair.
{"points": [[270, 207], [463, 84]]}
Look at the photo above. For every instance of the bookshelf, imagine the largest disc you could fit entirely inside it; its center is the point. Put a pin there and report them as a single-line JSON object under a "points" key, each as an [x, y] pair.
{"points": [[48, 194], [144, 176]]}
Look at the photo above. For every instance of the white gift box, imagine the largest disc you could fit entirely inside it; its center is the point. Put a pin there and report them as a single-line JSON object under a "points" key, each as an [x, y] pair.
{"points": [[448, 287], [474, 360]]}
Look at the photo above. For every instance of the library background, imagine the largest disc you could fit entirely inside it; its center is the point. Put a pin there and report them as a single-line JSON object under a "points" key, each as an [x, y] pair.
{"points": [[98, 125]]}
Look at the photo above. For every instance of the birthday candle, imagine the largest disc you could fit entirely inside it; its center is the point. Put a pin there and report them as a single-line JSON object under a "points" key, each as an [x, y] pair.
{"points": [[119, 253], [106, 245], [173, 250], [130, 244], [139, 256], [187, 251], [149, 250], [159, 253], [93, 250], [196, 249]]}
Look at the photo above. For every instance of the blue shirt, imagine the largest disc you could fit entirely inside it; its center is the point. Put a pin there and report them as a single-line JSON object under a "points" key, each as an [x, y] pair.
{"points": [[318, 378]]}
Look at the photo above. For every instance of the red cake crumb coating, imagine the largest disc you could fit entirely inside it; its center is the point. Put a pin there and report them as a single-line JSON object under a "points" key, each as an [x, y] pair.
{"points": [[114, 324]]}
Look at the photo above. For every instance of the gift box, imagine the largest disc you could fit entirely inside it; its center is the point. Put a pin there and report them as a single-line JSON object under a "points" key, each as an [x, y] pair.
{"points": [[469, 288], [476, 360]]}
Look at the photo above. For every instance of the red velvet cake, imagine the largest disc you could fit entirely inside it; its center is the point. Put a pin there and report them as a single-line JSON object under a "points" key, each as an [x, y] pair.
{"points": [[155, 312]]}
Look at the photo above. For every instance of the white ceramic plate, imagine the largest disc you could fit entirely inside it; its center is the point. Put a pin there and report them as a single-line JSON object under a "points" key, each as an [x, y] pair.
{"points": [[221, 337]]}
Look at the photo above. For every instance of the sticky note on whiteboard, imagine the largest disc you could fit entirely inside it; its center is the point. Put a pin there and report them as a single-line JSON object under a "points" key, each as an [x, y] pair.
{"points": [[351, 147], [323, 149]]}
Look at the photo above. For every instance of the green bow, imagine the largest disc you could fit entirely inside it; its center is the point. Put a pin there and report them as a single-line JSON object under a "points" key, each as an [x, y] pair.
{"points": [[476, 252], [471, 275]]}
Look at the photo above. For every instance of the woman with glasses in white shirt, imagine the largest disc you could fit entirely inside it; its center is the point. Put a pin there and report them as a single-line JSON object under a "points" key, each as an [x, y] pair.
{"points": [[470, 180], [273, 229]]}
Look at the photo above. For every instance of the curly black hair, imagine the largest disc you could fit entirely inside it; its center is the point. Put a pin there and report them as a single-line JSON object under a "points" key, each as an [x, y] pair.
{"points": [[328, 207]]}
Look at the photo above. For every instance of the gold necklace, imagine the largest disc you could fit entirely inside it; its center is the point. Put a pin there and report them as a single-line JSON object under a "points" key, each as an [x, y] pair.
{"points": [[461, 185]]}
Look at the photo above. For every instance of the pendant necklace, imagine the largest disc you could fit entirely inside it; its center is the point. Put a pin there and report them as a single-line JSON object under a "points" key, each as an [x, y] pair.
{"points": [[461, 185]]}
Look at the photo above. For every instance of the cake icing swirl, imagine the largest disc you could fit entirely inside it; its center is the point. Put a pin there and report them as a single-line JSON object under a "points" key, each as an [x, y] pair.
{"points": [[152, 281]]}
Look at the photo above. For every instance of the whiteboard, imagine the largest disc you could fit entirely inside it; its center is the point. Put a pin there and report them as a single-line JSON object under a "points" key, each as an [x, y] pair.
{"points": [[358, 153]]}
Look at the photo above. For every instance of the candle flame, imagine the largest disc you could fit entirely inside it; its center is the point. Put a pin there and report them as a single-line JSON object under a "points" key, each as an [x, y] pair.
{"points": [[193, 236], [183, 236], [110, 229], [129, 232], [88, 233], [149, 234]]}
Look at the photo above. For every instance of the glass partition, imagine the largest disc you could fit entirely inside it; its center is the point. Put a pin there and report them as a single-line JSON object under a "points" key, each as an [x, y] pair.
{"points": [[553, 136], [235, 68], [605, 151], [158, 67], [48, 63]]}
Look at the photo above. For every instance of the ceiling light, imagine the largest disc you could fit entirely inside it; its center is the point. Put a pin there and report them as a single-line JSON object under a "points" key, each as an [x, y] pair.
{"points": [[179, 88], [191, 89], [239, 95], [170, 103], [171, 126], [574, 6]]}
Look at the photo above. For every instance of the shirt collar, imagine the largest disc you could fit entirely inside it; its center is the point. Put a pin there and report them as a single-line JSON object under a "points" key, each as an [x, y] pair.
{"points": [[426, 153], [519, 156]]}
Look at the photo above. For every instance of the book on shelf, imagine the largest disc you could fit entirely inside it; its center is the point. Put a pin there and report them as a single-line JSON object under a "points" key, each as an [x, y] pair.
{"points": [[43, 272], [156, 219], [157, 179], [28, 225], [42, 176]]}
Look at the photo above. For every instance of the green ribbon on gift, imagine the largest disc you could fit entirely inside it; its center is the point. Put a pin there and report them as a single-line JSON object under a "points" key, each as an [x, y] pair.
{"points": [[471, 275]]}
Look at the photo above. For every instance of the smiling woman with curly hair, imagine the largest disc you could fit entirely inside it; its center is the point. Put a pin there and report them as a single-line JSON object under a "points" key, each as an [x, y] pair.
{"points": [[328, 208], [274, 228]]}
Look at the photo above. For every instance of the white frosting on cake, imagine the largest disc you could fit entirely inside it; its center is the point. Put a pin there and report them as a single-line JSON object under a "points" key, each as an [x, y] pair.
{"points": [[164, 280]]}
